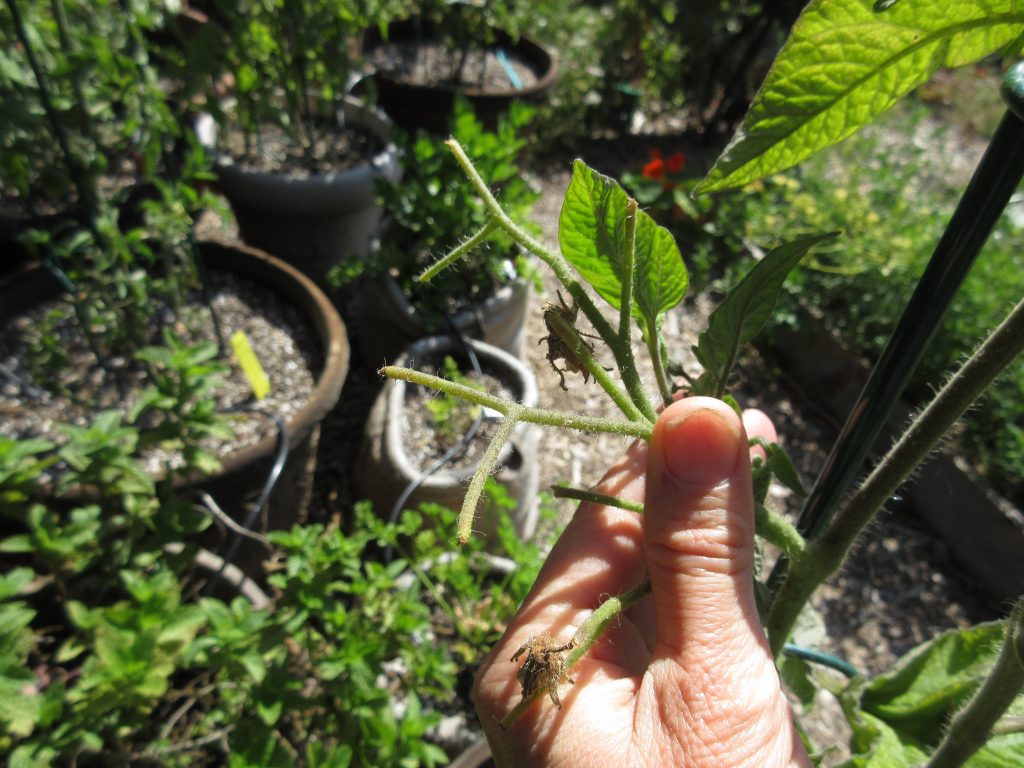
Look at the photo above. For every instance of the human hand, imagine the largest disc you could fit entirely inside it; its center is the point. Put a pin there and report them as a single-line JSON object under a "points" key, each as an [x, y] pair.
{"points": [[686, 677]]}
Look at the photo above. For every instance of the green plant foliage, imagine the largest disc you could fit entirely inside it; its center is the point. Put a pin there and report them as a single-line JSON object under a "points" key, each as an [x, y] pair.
{"points": [[740, 317], [181, 400], [901, 715], [845, 64], [592, 232], [890, 190], [432, 208], [105, 656]]}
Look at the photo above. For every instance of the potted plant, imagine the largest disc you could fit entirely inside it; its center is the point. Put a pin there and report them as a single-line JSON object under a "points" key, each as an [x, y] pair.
{"points": [[429, 210], [295, 156], [423, 63], [137, 332], [421, 448]]}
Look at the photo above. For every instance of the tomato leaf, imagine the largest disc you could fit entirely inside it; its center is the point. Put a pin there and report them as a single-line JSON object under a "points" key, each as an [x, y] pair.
{"points": [[844, 64], [592, 236], [744, 311]]}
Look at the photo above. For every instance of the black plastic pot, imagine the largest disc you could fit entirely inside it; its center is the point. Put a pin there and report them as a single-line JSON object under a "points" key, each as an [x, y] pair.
{"points": [[429, 107], [310, 220]]}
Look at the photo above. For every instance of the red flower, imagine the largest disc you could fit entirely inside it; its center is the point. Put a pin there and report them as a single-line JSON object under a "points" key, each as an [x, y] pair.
{"points": [[676, 162], [655, 169], [658, 167]]}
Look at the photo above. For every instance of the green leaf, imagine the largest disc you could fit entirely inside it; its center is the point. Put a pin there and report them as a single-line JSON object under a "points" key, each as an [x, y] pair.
{"points": [[879, 746], [782, 467], [12, 583], [796, 676], [844, 65], [999, 752], [592, 236], [924, 688], [660, 275], [745, 309], [591, 230], [20, 704]]}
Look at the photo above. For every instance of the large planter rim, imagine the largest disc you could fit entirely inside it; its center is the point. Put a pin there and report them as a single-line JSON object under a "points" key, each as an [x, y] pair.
{"points": [[291, 285], [524, 384], [530, 51], [302, 192]]}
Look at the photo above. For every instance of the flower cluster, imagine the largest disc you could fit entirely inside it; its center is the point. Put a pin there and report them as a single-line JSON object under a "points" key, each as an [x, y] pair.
{"points": [[658, 168]]}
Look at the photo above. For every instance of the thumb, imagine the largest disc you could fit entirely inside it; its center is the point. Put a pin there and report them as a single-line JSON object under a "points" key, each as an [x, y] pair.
{"points": [[699, 532]]}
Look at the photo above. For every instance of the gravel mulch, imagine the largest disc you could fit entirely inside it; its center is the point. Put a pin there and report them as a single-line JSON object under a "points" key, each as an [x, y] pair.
{"points": [[281, 337]]}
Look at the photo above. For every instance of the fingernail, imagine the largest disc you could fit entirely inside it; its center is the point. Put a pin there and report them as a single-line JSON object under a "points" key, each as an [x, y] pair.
{"points": [[700, 446]]}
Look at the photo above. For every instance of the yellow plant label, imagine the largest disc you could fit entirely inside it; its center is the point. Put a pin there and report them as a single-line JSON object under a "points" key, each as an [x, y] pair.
{"points": [[250, 365]]}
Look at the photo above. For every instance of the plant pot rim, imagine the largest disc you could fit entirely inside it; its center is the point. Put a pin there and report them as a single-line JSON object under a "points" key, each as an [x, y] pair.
{"points": [[540, 58], [384, 162], [465, 319], [291, 285], [524, 384]]}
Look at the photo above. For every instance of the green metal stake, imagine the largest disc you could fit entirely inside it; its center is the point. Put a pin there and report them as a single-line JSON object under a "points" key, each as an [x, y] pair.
{"points": [[994, 181]]}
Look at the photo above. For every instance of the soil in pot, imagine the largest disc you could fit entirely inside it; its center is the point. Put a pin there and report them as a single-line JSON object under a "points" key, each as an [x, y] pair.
{"points": [[418, 75], [318, 210], [429, 63], [434, 424], [276, 149], [283, 340]]}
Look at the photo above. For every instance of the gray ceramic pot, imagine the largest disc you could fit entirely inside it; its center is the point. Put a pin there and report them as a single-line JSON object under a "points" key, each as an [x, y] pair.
{"points": [[385, 468]]}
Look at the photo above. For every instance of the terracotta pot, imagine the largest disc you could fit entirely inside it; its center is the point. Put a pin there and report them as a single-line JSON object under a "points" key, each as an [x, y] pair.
{"points": [[384, 469], [242, 472], [310, 220], [430, 107]]}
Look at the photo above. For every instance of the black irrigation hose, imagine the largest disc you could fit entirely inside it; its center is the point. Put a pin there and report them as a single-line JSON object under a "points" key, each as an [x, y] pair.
{"points": [[268, 486], [207, 292], [452, 452]]}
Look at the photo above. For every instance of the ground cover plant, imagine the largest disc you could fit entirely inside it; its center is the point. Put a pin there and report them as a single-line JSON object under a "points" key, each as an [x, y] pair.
{"points": [[116, 648], [954, 700]]}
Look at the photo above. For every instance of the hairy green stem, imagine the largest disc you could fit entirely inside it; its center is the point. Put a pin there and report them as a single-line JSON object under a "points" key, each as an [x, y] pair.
{"points": [[825, 554], [588, 633], [582, 353], [654, 347], [626, 300], [579, 494], [778, 531], [971, 727], [483, 471], [458, 252], [563, 271], [540, 416]]}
